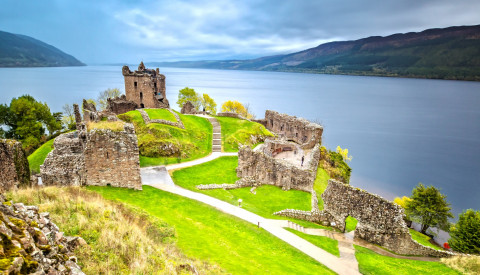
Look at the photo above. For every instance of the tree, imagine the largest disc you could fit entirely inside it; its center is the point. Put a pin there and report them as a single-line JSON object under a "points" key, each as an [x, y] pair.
{"points": [[26, 120], [236, 107], [188, 94], [68, 118], [428, 207], [344, 154], [102, 102], [402, 201], [465, 234], [209, 104]]}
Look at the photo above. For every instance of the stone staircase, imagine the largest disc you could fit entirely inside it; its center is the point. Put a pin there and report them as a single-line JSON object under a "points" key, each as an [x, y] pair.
{"points": [[217, 135]]}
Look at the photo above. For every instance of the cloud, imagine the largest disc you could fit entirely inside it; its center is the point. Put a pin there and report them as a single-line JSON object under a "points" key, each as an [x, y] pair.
{"points": [[125, 31]]}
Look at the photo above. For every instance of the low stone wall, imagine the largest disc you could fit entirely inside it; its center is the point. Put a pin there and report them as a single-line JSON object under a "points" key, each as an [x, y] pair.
{"points": [[231, 114], [33, 244], [265, 169], [147, 119], [261, 121], [14, 167], [300, 130], [244, 182], [112, 158]]}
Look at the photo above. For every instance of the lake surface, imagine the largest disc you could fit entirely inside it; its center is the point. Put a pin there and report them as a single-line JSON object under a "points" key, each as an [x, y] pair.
{"points": [[399, 131]]}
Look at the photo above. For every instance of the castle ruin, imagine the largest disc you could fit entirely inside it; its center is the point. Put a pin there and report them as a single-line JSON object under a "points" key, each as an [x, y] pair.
{"points": [[97, 157], [145, 87]]}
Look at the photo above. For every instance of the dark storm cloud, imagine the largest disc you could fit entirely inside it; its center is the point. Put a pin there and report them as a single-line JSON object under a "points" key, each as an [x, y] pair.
{"points": [[125, 31]]}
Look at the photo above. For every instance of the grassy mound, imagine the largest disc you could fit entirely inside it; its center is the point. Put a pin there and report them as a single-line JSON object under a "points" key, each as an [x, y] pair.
{"points": [[163, 144], [38, 157], [120, 240], [370, 262], [160, 114], [325, 243], [423, 239], [208, 234], [115, 126], [238, 131]]}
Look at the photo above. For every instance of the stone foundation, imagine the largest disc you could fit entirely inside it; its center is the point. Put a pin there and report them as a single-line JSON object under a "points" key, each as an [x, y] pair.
{"points": [[14, 167], [264, 169], [299, 130]]}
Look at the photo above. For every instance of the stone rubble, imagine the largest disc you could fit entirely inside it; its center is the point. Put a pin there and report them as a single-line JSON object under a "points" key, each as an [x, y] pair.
{"points": [[33, 244]]}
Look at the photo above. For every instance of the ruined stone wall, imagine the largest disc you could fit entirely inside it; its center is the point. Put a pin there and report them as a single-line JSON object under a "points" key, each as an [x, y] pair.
{"points": [[145, 87], [120, 105], [65, 164], [379, 220], [112, 158], [99, 157], [14, 167], [266, 170], [300, 130]]}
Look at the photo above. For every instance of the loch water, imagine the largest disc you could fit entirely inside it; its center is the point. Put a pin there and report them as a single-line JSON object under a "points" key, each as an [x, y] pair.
{"points": [[399, 131]]}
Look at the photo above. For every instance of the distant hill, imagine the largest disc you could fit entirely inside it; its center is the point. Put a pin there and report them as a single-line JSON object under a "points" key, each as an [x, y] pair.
{"points": [[18, 50], [450, 53]]}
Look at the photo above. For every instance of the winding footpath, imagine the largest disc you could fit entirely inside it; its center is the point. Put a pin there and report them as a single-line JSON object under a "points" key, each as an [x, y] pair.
{"points": [[158, 177]]}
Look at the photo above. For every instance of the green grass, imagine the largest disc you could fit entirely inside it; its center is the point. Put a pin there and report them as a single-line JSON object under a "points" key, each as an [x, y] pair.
{"points": [[267, 200], [38, 157], [211, 235], [160, 114], [370, 262], [422, 239], [325, 243], [161, 144], [320, 184], [350, 224], [238, 131]]}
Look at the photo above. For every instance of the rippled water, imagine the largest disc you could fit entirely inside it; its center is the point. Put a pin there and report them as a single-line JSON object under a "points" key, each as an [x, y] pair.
{"points": [[399, 131]]}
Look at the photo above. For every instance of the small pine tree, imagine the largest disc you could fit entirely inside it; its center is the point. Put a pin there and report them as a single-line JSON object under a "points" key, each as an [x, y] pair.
{"points": [[465, 234]]}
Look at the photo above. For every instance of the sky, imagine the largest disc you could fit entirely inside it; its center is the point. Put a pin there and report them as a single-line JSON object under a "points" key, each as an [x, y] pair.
{"points": [[125, 31]]}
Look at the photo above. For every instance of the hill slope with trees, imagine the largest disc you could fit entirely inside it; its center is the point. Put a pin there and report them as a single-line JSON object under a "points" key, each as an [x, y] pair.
{"points": [[449, 53]]}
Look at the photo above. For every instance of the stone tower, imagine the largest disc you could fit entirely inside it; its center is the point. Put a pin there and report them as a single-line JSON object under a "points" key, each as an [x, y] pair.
{"points": [[145, 87]]}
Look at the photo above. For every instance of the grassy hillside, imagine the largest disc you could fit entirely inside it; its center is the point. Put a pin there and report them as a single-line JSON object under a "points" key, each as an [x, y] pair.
{"points": [[38, 157], [239, 131], [23, 51], [121, 240], [207, 234], [163, 144]]}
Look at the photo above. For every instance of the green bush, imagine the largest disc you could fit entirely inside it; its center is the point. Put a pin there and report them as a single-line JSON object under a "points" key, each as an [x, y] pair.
{"points": [[465, 234]]}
